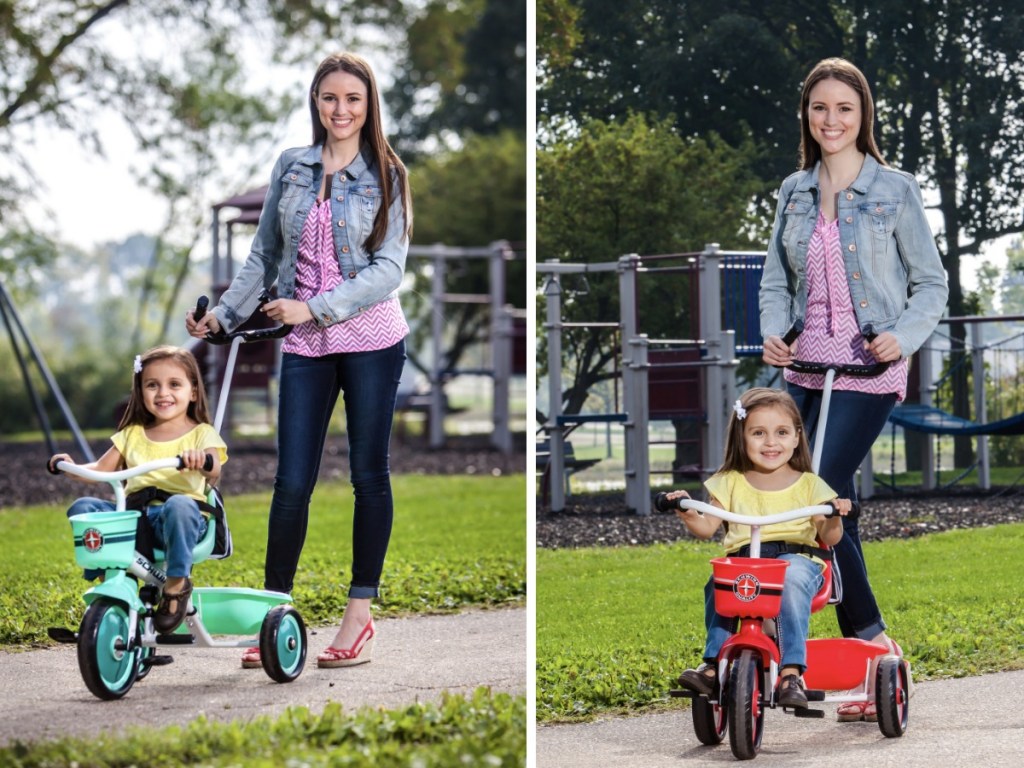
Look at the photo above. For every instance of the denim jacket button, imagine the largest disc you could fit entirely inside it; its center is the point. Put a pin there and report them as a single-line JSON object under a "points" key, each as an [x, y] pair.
{"points": [[293, 177], [849, 219], [853, 247], [863, 304], [341, 198], [325, 318], [849, 195], [856, 275], [344, 249], [341, 223], [351, 275], [792, 206]]}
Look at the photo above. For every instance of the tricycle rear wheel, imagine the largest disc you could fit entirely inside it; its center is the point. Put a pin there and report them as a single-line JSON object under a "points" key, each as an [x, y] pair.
{"points": [[108, 668], [710, 721], [892, 696], [283, 643]]}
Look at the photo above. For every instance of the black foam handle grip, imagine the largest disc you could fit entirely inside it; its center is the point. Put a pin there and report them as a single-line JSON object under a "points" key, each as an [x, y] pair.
{"points": [[202, 304]]}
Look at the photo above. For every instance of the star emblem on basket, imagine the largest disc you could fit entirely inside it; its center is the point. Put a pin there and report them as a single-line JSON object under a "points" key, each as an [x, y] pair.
{"points": [[92, 540], [746, 587]]}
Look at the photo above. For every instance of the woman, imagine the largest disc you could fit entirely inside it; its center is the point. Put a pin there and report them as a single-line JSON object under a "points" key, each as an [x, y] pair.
{"points": [[851, 256], [334, 234]]}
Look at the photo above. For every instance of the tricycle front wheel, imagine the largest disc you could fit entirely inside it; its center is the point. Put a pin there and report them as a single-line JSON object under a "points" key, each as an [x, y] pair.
{"points": [[746, 710], [892, 696], [283, 643], [108, 668]]}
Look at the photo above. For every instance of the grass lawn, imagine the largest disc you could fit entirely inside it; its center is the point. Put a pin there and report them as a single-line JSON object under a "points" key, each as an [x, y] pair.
{"points": [[458, 541], [615, 626]]}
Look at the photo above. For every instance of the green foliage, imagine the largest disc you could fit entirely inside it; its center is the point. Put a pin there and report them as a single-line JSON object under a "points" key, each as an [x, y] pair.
{"points": [[465, 72], [485, 729], [600, 650], [423, 572], [634, 186]]}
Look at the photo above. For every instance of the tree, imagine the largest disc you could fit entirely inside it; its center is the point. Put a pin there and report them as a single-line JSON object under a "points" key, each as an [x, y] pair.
{"points": [[948, 78], [472, 196], [634, 186], [465, 72]]}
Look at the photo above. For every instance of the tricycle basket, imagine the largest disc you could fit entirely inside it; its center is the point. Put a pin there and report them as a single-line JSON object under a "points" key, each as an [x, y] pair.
{"points": [[104, 539], [748, 586]]}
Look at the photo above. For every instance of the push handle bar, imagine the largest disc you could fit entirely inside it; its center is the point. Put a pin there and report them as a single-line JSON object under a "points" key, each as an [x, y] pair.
{"points": [[845, 369], [260, 334]]}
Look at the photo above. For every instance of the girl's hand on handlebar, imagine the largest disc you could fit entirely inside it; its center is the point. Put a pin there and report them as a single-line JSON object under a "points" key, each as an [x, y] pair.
{"points": [[777, 352], [682, 514], [287, 311], [884, 348], [843, 506], [51, 465], [208, 324], [193, 458]]}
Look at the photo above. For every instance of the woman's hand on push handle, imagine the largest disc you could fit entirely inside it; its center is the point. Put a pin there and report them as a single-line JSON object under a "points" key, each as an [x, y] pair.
{"points": [[777, 352], [199, 329]]}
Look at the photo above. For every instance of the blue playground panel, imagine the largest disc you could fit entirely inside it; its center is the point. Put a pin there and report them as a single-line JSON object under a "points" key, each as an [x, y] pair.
{"points": [[741, 281]]}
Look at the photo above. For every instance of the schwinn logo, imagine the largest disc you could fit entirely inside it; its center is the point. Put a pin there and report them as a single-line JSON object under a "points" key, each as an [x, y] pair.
{"points": [[92, 540], [746, 587]]}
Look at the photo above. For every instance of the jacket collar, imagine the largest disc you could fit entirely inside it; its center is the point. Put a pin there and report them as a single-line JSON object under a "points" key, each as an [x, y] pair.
{"points": [[809, 179], [313, 156]]}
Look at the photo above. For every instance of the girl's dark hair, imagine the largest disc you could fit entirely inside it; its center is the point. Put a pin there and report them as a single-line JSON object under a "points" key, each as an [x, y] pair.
{"points": [[844, 72], [392, 170], [136, 412], [736, 458]]}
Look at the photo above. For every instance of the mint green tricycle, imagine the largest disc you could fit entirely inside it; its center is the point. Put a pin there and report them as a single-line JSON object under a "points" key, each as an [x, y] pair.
{"points": [[117, 643]]}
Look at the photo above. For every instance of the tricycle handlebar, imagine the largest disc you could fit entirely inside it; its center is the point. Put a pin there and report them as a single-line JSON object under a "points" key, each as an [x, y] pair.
{"points": [[663, 504]]}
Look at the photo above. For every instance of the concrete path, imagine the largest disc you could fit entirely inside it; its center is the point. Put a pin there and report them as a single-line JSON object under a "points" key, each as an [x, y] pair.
{"points": [[415, 659], [975, 721]]}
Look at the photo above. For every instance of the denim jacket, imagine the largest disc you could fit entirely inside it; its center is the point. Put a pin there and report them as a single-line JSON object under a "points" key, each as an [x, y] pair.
{"points": [[355, 196], [896, 277]]}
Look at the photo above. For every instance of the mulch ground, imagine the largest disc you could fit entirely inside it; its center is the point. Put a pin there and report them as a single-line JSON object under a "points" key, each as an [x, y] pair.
{"points": [[603, 520], [251, 465]]}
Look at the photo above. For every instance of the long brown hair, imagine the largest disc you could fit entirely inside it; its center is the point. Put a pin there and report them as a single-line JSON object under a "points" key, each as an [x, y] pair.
{"points": [[136, 412], [372, 134], [736, 458], [844, 72]]}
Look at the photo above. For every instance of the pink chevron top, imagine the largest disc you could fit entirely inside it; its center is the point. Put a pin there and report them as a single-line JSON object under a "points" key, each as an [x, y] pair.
{"points": [[381, 326], [830, 332]]}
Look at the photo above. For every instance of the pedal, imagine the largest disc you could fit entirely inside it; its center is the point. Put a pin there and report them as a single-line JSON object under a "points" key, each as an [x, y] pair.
{"points": [[157, 661], [62, 634], [175, 639], [807, 712], [682, 693], [813, 695]]}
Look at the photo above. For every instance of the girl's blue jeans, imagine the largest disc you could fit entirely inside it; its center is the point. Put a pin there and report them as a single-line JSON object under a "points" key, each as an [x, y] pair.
{"points": [[177, 524], [803, 580], [309, 389], [855, 420]]}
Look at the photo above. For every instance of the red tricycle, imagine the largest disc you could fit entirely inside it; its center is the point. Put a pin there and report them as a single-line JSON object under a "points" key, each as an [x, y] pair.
{"points": [[750, 589]]}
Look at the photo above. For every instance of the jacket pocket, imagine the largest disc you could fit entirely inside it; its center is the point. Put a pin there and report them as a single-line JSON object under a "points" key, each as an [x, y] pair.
{"points": [[879, 216]]}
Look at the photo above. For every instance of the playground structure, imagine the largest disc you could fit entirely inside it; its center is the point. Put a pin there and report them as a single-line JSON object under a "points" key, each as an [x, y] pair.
{"points": [[715, 361], [506, 335], [696, 378]]}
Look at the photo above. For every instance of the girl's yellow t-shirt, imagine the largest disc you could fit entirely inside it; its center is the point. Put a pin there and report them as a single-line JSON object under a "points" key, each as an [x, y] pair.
{"points": [[137, 449], [735, 494]]}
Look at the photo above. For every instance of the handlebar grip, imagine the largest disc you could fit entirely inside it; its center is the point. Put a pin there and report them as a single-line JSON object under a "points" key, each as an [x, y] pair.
{"points": [[662, 503], [793, 333], [207, 463], [202, 304], [51, 468]]}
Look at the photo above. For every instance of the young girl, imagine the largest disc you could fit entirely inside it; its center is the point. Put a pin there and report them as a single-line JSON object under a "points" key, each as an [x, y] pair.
{"points": [[767, 469], [167, 416]]}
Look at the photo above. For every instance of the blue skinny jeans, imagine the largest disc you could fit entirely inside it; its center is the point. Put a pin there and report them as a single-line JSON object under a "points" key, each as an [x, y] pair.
{"points": [[309, 389], [803, 580], [855, 420], [178, 525]]}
